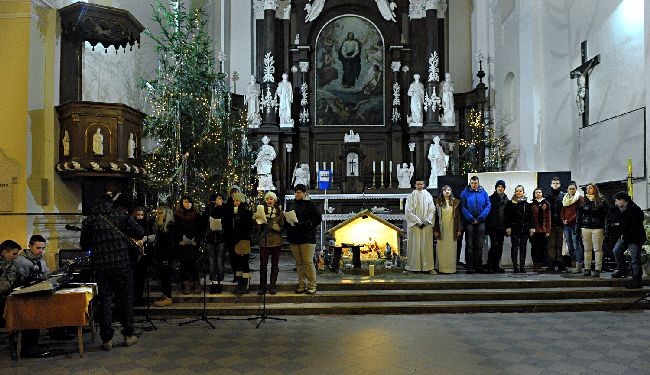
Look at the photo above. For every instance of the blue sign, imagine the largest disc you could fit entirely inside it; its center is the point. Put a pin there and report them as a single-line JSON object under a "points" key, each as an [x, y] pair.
{"points": [[324, 179]]}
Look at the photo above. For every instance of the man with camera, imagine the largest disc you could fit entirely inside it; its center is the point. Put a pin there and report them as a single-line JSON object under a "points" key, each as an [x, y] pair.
{"points": [[628, 224]]}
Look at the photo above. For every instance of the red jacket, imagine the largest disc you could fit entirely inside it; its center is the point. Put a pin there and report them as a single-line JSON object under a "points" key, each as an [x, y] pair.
{"points": [[570, 213], [541, 221]]}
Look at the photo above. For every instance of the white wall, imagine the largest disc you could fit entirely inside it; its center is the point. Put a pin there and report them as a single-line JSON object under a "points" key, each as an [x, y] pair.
{"points": [[538, 42]]}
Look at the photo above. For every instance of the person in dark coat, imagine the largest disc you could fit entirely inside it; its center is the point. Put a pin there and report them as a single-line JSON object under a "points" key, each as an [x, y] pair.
{"points": [[230, 249], [270, 240], [302, 239], [540, 220], [518, 228], [188, 234], [215, 211], [165, 250], [237, 227], [629, 219], [107, 234], [475, 206], [592, 219], [555, 240], [496, 226]]}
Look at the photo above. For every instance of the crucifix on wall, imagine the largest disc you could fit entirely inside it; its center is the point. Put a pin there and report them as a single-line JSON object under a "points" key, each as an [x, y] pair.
{"points": [[581, 74]]}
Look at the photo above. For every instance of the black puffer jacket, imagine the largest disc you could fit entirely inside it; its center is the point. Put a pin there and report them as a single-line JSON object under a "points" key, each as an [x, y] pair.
{"points": [[593, 214], [555, 200], [628, 224], [237, 226], [308, 220], [496, 220], [518, 216], [109, 247]]}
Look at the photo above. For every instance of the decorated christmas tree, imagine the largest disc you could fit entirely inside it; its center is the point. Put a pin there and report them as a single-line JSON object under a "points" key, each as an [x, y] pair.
{"points": [[487, 147], [199, 141]]}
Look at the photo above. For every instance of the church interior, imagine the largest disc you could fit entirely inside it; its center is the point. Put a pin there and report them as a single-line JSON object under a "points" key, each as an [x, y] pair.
{"points": [[355, 99]]}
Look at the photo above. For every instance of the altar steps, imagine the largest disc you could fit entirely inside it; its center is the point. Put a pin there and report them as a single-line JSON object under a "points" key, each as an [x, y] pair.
{"points": [[417, 297]]}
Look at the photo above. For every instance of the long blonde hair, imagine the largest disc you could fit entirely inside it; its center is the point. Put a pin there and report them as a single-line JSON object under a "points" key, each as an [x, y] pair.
{"points": [[167, 217]]}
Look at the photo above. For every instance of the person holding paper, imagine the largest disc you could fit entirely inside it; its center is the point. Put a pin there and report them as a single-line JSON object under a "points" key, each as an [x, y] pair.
{"points": [[214, 214], [164, 244], [270, 239], [302, 239], [188, 232], [237, 226]]}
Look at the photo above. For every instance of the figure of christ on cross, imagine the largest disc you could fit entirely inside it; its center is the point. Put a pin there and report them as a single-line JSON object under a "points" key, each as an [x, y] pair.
{"points": [[582, 73], [352, 164]]}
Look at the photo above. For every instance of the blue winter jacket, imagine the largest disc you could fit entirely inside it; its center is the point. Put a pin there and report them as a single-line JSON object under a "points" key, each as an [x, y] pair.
{"points": [[475, 205]]}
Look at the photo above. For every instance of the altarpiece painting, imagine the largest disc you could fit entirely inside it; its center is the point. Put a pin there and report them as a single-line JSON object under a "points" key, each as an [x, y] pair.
{"points": [[349, 73]]}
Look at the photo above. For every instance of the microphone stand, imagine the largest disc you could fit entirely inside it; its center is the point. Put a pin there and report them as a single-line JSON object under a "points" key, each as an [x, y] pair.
{"points": [[147, 308], [263, 316], [204, 312]]}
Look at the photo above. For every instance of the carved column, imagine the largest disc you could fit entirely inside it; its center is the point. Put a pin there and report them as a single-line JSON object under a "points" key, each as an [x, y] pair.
{"points": [[269, 118], [433, 57], [397, 90], [303, 116], [418, 40]]}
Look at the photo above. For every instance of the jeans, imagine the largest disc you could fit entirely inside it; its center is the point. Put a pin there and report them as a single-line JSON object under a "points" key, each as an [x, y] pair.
{"points": [[635, 251], [519, 241], [115, 284], [216, 258], [496, 248], [474, 234], [574, 243]]}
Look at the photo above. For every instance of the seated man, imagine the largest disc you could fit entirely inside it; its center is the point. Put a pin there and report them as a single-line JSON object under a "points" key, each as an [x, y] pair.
{"points": [[10, 277], [30, 263]]}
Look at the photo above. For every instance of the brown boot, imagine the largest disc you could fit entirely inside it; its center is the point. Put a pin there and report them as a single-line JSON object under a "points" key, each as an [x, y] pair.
{"points": [[274, 279]]}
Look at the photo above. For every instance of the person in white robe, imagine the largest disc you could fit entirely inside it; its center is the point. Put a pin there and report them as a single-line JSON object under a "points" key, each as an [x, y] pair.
{"points": [[420, 218]]}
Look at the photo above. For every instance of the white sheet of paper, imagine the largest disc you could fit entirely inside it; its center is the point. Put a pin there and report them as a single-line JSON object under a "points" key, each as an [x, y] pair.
{"points": [[215, 224], [260, 215], [187, 241], [290, 217]]}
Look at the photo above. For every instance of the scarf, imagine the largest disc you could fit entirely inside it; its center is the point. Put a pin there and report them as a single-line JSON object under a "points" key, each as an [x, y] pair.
{"points": [[591, 197], [516, 200], [187, 215], [570, 199]]}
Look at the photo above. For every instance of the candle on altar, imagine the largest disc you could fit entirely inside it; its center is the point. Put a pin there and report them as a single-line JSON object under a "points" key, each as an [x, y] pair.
{"points": [[390, 167], [324, 165], [401, 204], [316, 170], [381, 166], [332, 167], [373, 167]]}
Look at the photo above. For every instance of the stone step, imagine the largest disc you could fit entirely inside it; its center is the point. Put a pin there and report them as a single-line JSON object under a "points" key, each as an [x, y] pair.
{"points": [[378, 295], [411, 307]]}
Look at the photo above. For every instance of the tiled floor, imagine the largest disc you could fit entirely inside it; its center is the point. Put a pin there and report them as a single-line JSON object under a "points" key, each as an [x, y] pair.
{"points": [[543, 343]]}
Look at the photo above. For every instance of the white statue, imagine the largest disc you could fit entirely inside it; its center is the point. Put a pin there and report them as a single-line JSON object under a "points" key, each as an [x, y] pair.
{"points": [[416, 92], [352, 164], [387, 10], [252, 99], [285, 94], [98, 143], [439, 161], [300, 175], [264, 164], [131, 147], [351, 137], [580, 96], [66, 143], [404, 175], [448, 101], [296, 41], [313, 10]]}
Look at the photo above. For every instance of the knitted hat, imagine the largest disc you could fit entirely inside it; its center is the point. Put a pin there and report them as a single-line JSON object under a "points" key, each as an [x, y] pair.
{"points": [[300, 187], [500, 182]]}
